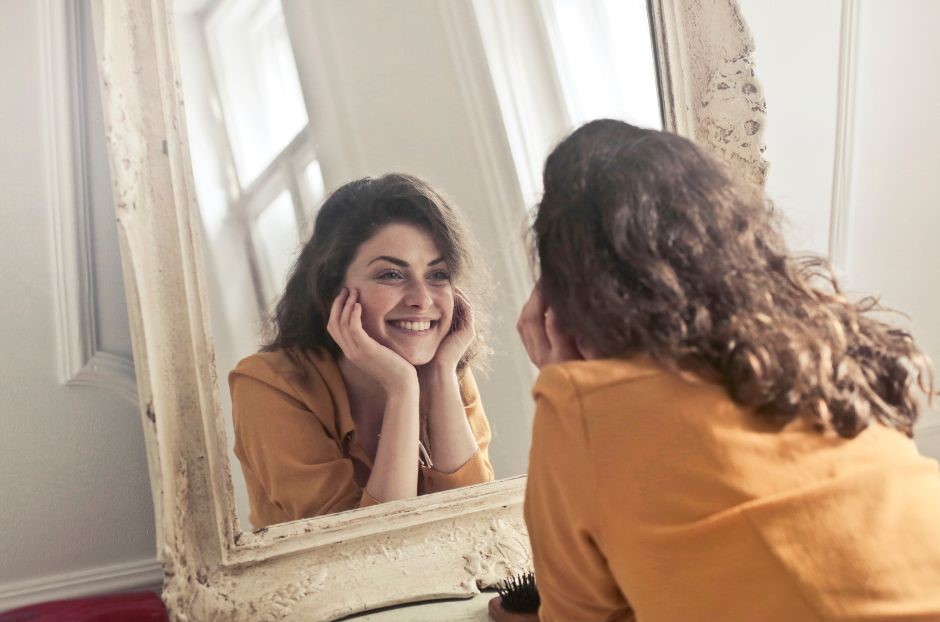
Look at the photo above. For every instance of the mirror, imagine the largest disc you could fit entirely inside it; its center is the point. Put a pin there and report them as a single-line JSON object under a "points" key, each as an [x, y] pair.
{"points": [[286, 101], [449, 544]]}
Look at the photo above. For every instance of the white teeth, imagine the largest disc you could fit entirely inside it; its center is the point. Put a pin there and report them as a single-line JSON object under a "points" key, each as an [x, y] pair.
{"points": [[414, 326]]}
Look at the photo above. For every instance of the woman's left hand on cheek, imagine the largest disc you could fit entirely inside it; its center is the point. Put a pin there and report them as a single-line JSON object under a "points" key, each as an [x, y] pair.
{"points": [[456, 342]]}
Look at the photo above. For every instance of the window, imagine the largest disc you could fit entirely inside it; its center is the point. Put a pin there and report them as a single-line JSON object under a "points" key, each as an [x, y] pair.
{"points": [[556, 64], [603, 54], [257, 82], [273, 180]]}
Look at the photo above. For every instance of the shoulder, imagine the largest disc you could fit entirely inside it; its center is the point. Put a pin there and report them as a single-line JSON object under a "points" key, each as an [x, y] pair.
{"points": [[605, 394], [284, 369], [285, 384], [573, 396], [576, 379]]}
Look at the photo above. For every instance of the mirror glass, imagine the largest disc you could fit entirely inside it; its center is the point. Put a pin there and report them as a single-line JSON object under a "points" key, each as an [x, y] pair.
{"points": [[288, 100]]}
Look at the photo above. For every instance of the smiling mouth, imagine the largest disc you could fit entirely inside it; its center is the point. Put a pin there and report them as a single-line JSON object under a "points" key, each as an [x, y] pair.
{"points": [[421, 326]]}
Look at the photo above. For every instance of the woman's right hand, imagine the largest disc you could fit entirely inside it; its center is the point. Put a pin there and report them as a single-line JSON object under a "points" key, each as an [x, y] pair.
{"points": [[345, 326], [543, 339]]}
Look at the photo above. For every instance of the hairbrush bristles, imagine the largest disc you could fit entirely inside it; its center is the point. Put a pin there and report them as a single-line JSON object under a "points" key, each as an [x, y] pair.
{"points": [[519, 593]]}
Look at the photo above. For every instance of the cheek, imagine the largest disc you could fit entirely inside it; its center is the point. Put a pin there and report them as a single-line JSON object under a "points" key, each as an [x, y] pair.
{"points": [[376, 302]]}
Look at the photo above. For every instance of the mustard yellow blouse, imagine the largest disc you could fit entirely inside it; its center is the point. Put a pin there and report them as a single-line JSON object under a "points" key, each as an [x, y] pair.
{"points": [[652, 496], [297, 443]]}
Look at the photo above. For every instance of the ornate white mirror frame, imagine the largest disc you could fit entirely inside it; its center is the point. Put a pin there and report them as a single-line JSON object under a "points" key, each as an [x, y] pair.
{"points": [[445, 545]]}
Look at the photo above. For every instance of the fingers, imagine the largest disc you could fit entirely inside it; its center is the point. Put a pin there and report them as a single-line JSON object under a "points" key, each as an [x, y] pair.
{"points": [[531, 328], [340, 325], [563, 347], [336, 311], [355, 321], [543, 338], [463, 313], [348, 307], [552, 333]]}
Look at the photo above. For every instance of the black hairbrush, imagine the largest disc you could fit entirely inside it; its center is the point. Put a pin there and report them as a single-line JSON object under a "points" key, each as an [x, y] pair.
{"points": [[519, 593]]}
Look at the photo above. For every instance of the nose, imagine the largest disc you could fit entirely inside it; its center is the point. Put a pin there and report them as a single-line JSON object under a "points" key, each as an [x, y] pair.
{"points": [[418, 295]]}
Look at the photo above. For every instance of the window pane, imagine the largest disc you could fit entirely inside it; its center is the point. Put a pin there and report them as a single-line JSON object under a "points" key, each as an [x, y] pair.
{"points": [[313, 176], [314, 190], [605, 60], [258, 84], [277, 242]]}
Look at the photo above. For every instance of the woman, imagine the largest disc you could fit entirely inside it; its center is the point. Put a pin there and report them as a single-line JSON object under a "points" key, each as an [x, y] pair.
{"points": [[719, 433], [364, 394]]}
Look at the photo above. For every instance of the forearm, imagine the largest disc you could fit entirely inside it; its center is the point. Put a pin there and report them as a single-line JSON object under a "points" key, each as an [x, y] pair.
{"points": [[395, 469], [451, 439]]}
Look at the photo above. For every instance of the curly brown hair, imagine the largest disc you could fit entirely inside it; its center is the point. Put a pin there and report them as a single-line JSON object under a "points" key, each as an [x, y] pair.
{"points": [[647, 245], [353, 214]]}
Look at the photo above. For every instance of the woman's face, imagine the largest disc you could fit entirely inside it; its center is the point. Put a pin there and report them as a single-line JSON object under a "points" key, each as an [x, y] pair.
{"points": [[405, 291]]}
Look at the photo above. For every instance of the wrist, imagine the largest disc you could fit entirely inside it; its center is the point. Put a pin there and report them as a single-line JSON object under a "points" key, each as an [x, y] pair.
{"points": [[403, 400], [401, 381], [437, 369]]}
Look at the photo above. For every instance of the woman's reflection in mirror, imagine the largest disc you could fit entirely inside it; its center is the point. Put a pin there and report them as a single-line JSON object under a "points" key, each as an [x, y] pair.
{"points": [[720, 434], [364, 393]]}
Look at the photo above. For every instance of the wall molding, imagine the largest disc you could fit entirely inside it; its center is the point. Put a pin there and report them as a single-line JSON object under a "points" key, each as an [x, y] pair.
{"points": [[80, 359], [108, 371], [142, 574], [839, 214]]}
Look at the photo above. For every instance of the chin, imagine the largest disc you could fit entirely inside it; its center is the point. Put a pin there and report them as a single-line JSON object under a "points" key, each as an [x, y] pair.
{"points": [[418, 359], [417, 354]]}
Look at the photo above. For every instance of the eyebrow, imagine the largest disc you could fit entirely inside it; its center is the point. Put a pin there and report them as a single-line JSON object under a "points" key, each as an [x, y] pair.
{"points": [[400, 262]]}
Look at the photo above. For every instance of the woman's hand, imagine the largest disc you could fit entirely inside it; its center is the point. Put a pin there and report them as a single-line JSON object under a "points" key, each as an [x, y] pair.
{"points": [[455, 344], [543, 339], [345, 326]]}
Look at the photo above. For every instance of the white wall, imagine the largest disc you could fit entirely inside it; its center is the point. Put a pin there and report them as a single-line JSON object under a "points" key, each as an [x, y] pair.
{"points": [[75, 511], [893, 218], [76, 514], [881, 176], [800, 85]]}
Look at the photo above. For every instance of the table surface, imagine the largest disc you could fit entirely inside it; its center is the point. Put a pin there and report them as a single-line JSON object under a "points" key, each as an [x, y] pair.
{"points": [[463, 610]]}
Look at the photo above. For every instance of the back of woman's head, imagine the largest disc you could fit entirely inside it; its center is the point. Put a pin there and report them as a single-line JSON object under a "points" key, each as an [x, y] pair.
{"points": [[647, 246], [351, 215]]}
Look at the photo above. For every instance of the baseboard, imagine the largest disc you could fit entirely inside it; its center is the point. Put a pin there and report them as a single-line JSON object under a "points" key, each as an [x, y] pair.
{"points": [[136, 575]]}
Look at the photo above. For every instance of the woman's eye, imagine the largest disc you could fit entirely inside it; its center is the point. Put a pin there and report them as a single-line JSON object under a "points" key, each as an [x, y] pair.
{"points": [[440, 275], [391, 275]]}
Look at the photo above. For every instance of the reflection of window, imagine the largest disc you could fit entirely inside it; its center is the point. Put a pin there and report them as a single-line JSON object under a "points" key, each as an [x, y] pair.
{"points": [[556, 64], [274, 179], [275, 237], [604, 60], [257, 81]]}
